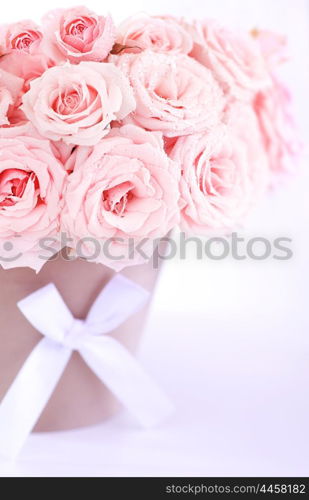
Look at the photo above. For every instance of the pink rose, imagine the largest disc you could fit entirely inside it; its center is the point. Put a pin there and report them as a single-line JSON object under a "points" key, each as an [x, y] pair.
{"points": [[31, 184], [25, 65], [78, 34], [10, 89], [224, 172], [156, 33], [12, 120], [17, 125], [76, 103], [234, 59], [174, 94], [24, 36], [273, 109], [124, 187], [20, 45]]}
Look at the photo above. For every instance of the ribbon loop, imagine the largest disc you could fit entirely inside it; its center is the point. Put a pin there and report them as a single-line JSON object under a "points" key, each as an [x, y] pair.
{"points": [[47, 312], [110, 361]]}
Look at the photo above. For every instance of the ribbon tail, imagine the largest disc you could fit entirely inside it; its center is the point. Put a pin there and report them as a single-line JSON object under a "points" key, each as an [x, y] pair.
{"points": [[121, 373], [28, 395]]}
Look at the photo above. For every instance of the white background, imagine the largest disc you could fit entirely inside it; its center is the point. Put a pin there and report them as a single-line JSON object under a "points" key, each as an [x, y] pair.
{"points": [[227, 340]]}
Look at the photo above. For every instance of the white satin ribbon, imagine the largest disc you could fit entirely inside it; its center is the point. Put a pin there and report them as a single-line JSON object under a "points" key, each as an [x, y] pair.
{"points": [[109, 360]]}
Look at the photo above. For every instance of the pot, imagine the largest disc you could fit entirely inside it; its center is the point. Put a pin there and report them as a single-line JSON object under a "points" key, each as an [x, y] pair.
{"points": [[80, 399]]}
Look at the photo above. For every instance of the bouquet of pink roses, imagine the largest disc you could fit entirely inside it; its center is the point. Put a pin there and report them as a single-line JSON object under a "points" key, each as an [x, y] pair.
{"points": [[110, 135], [127, 132]]}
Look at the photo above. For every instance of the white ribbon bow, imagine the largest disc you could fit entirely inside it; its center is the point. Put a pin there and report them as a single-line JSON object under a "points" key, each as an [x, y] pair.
{"points": [[109, 360]]}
